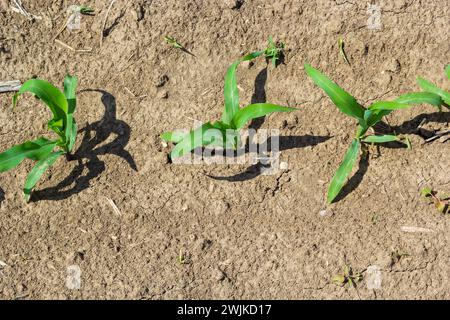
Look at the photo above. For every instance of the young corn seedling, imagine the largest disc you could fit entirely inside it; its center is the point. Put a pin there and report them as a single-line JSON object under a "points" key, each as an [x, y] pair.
{"points": [[274, 51], [367, 119], [223, 133], [442, 203], [431, 88], [42, 150]]}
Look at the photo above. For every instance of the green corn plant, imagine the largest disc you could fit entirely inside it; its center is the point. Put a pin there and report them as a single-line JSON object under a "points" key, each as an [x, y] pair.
{"points": [[366, 118], [430, 87], [223, 133], [42, 150]]}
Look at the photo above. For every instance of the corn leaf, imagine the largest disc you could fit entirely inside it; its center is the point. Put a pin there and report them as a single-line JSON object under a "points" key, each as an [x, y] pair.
{"points": [[231, 93], [344, 170], [343, 100], [372, 117], [255, 111], [204, 135], [431, 87], [38, 170], [70, 88], [380, 138], [447, 71], [387, 106], [421, 97], [73, 136], [48, 93], [34, 150]]}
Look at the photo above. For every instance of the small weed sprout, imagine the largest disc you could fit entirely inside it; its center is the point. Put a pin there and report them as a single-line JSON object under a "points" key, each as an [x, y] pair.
{"points": [[274, 51], [367, 119], [347, 277], [342, 51], [224, 133], [442, 203], [42, 150], [182, 257], [174, 43], [86, 10]]}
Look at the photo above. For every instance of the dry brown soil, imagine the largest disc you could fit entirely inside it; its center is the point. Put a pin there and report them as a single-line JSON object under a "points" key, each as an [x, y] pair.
{"points": [[260, 236]]}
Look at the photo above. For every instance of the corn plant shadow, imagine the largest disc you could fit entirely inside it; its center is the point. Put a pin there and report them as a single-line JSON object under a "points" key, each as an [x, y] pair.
{"points": [[285, 143], [87, 155], [413, 126], [355, 180], [259, 96]]}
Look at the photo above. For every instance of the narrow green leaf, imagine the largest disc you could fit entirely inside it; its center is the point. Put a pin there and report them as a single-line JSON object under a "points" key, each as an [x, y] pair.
{"points": [[38, 170], [388, 106], [255, 111], [421, 97], [447, 71], [431, 87], [231, 93], [343, 101], [344, 170], [34, 150], [204, 135], [48, 93], [73, 136], [70, 90], [380, 138], [372, 117]]}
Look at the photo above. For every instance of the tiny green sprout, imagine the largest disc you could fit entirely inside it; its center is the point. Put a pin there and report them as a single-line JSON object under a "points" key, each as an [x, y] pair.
{"points": [[274, 51], [367, 118], [86, 10], [42, 150], [174, 43], [431, 88], [224, 133], [342, 51], [442, 203], [347, 277], [181, 258]]}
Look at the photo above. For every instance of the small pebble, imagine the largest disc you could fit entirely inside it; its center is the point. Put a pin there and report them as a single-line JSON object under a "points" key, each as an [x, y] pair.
{"points": [[325, 213], [163, 94]]}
